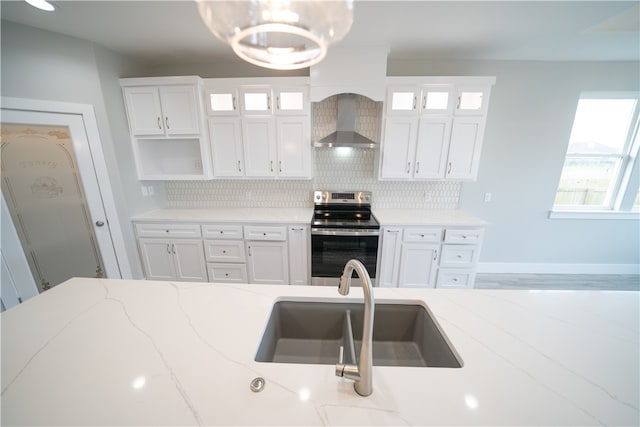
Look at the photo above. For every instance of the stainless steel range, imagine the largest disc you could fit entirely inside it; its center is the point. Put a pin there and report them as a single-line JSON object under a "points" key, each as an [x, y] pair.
{"points": [[342, 228]]}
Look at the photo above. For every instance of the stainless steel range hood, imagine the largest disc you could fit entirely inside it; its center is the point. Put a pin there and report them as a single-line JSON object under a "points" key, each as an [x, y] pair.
{"points": [[345, 134]]}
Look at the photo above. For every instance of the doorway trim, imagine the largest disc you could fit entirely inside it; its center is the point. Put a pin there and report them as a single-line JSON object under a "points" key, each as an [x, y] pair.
{"points": [[99, 164]]}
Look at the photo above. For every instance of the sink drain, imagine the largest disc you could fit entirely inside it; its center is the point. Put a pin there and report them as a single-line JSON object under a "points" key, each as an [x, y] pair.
{"points": [[257, 384]]}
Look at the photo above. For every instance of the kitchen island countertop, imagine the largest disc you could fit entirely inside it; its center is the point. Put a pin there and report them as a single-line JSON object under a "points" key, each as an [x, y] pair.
{"points": [[125, 352]]}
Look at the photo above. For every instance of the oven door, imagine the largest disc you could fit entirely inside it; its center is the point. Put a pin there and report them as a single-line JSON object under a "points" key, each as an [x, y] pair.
{"points": [[332, 248]]}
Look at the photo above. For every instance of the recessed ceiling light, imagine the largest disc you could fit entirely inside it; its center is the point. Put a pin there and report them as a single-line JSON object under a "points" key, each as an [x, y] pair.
{"points": [[41, 4]]}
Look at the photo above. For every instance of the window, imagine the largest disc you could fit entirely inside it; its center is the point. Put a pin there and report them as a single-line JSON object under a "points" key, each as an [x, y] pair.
{"points": [[600, 171]]}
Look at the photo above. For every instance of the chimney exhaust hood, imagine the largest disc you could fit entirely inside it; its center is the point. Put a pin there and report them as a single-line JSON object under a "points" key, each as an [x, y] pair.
{"points": [[345, 134]]}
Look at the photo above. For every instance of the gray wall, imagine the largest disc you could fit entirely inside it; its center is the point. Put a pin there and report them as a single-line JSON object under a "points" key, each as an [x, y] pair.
{"points": [[529, 122], [42, 65]]}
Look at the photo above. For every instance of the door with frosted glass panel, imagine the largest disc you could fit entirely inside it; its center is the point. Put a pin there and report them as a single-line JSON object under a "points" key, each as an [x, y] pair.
{"points": [[57, 214]]}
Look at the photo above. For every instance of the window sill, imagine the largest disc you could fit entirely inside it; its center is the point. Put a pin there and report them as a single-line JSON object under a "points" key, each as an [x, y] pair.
{"points": [[560, 214]]}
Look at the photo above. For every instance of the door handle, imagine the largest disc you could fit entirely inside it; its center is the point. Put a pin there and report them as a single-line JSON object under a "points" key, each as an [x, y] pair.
{"points": [[166, 122], [159, 123], [99, 223]]}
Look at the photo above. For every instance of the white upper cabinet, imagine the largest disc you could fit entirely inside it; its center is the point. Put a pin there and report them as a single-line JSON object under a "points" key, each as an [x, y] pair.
{"points": [[437, 99], [256, 101], [472, 100], [164, 110], [270, 135], [222, 102], [292, 100], [167, 127], [402, 100], [225, 134], [433, 129]]}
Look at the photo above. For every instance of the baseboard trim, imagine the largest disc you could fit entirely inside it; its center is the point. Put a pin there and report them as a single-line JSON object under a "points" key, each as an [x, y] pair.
{"points": [[553, 268]]}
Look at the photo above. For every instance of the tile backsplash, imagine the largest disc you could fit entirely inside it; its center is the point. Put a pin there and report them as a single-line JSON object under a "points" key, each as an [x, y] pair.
{"points": [[334, 169]]}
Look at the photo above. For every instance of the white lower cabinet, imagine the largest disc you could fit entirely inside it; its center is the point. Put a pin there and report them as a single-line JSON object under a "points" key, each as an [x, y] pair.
{"points": [[418, 263], [176, 259], [299, 253], [227, 253], [267, 262], [429, 257]]}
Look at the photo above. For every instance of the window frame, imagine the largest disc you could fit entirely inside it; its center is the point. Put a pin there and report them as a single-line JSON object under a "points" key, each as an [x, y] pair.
{"points": [[627, 178]]}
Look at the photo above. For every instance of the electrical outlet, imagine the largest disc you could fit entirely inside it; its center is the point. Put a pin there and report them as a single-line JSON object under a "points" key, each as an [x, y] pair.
{"points": [[487, 197]]}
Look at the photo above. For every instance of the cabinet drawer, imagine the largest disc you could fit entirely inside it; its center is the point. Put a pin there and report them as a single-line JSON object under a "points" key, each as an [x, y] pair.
{"points": [[460, 235], [455, 279], [458, 256], [265, 233], [220, 231], [227, 273], [168, 230], [423, 234], [224, 250]]}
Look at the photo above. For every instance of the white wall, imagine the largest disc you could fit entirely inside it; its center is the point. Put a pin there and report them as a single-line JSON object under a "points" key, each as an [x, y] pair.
{"points": [[38, 64], [529, 122]]}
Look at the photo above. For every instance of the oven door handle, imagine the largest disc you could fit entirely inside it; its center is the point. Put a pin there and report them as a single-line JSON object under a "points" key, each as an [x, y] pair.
{"points": [[343, 232]]}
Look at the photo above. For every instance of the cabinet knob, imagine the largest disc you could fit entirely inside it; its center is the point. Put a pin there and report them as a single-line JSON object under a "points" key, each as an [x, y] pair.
{"points": [[221, 232], [459, 256], [166, 231], [224, 252], [455, 280], [264, 234], [99, 223], [226, 274]]}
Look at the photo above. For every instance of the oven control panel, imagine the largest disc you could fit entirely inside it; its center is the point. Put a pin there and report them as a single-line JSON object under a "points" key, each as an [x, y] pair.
{"points": [[338, 197]]}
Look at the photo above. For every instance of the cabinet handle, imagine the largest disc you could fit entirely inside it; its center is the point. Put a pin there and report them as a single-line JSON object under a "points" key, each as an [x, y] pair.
{"points": [[268, 103], [166, 122], [417, 167], [415, 101], [458, 106], [168, 249], [435, 255], [393, 231], [280, 165], [464, 236], [173, 248], [449, 170], [408, 167], [459, 256], [424, 102], [249, 247], [271, 165], [278, 102], [239, 168], [233, 102], [297, 229], [159, 123]]}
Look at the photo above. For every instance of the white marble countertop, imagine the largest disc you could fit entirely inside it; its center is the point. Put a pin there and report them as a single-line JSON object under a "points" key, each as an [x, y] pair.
{"points": [[408, 217], [123, 352], [243, 215]]}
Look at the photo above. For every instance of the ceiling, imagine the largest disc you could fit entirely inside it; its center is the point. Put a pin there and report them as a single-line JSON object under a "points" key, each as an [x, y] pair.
{"points": [[171, 32]]}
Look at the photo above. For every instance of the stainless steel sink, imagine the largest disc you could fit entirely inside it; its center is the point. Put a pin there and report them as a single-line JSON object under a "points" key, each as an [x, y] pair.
{"points": [[319, 332]]}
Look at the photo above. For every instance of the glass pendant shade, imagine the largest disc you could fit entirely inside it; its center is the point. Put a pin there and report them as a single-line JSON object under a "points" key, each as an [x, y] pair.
{"points": [[278, 34]]}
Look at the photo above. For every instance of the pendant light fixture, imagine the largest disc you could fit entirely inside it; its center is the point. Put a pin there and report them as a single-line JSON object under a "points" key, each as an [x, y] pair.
{"points": [[278, 34]]}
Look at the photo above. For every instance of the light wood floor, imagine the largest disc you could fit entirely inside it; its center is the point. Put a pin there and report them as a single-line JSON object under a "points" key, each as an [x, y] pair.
{"points": [[593, 282]]}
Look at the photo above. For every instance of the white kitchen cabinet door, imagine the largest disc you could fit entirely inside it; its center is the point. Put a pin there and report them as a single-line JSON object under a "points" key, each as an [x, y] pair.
{"points": [[437, 100], [222, 102], [432, 148], [418, 263], [189, 260], [180, 107], [157, 259], [143, 110], [226, 140], [267, 262], [256, 101], [294, 147], [465, 148], [472, 100], [292, 101], [259, 141], [398, 149], [299, 255], [402, 100], [390, 257]]}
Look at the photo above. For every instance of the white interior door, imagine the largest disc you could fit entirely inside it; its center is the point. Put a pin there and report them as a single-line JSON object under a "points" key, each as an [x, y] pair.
{"points": [[49, 183]]}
